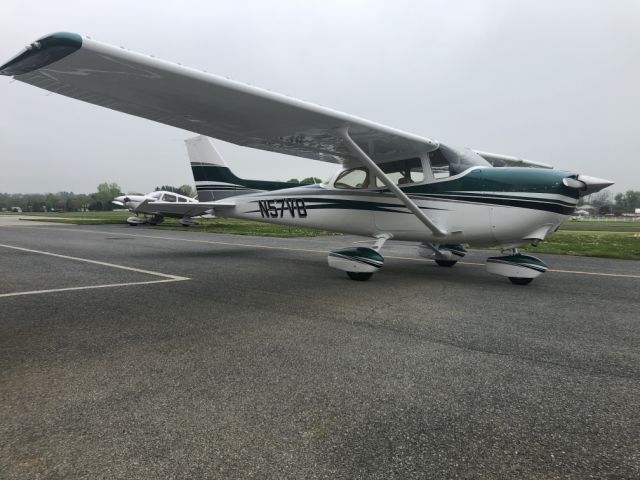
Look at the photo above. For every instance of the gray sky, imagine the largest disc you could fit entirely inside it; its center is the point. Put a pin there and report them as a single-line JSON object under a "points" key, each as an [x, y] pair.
{"points": [[549, 80]]}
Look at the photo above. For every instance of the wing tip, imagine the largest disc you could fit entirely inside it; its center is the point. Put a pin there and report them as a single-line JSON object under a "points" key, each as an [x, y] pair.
{"points": [[44, 51]]}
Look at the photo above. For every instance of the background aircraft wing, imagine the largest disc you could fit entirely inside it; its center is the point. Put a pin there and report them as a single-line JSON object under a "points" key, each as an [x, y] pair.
{"points": [[189, 209], [144, 86], [177, 208]]}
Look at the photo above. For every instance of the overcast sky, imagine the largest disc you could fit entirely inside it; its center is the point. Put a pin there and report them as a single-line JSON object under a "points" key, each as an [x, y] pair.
{"points": [[552, 81]]}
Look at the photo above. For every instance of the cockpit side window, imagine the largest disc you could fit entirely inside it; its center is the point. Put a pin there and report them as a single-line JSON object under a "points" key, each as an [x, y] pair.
{"points": [[402, 172], [353, 178], [439, 164]]}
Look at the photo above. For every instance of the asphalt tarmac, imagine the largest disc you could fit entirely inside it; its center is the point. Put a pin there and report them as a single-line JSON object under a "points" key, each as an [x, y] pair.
{"points": [[140, 353]]}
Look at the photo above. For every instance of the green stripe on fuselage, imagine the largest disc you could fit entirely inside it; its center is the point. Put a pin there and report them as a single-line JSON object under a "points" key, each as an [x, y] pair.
{"points": [[214, 173]]}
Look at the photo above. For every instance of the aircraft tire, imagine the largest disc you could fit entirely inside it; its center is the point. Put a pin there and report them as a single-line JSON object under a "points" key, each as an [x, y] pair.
{"points": [[155, 220], [520, 280], [359, 276], [446, 263]]}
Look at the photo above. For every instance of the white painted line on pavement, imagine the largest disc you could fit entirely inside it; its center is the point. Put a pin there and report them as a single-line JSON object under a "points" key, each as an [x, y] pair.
{"points": [[166, 277], [88, 287]]}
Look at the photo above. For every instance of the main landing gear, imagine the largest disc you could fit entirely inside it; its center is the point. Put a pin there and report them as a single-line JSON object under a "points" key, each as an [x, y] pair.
{"points": [[520, 269], [444, 255], [156, 219], [360, 263], [360, 276], [187, 221], [153, 220], [135, 221]]}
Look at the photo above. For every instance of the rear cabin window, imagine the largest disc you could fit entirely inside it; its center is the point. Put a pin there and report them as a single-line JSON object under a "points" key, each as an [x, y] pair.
{"points": [[402, 172], [169, 198], [354, 178]]}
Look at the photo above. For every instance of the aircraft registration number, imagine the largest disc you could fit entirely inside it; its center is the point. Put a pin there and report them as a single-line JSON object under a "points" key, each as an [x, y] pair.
{"points": [[284, 207]]}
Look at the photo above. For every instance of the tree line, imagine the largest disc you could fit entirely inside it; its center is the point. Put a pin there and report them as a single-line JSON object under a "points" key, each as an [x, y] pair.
{"points": [[100, 200], [608, 204]]}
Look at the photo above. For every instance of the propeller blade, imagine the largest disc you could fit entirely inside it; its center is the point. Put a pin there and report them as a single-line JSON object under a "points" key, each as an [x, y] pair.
{"points": [[593, 184], [116, 202], [586, 184]]}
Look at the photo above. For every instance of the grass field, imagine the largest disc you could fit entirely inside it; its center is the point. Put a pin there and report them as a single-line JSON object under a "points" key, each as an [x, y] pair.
{"points": [[591, 244], [607, 239], [601, 226], [214, 225], [590, 238]]}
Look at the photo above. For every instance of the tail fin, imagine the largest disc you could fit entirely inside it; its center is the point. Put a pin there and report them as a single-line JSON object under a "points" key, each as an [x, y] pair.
{"points": [[202, 152], [213, 178]]}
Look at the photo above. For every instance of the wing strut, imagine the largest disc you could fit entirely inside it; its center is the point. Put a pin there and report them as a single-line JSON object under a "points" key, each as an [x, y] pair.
{"points": [[358, 152]]}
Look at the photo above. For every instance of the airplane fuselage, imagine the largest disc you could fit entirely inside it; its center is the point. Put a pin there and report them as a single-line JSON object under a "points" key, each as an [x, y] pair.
{"points": [[509, 207]]}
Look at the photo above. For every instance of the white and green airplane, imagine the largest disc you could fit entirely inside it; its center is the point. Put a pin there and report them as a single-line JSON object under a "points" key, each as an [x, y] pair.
{"points": [[391, 183]]}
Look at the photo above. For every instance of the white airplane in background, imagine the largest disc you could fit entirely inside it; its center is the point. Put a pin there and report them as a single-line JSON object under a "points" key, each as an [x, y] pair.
{"points": [[214, 181], [391, 184], [171, 205]]}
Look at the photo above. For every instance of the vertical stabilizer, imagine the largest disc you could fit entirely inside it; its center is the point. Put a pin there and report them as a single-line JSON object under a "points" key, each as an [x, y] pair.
{"points": [[202, 151], [213, 178]]}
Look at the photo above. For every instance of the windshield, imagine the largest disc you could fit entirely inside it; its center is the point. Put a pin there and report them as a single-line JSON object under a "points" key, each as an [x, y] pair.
{"points": [[447, 161]]}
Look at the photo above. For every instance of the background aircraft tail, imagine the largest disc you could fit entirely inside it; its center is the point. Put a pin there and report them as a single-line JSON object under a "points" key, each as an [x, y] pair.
{"points": [[214, 180]]}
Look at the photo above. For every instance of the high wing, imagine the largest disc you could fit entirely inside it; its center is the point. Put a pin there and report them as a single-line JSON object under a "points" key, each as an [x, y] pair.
{"points": [[200, 102]]}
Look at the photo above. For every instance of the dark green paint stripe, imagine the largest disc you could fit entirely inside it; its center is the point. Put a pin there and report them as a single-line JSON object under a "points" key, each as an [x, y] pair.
{"points": [[42, 52], [214, 173]]}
